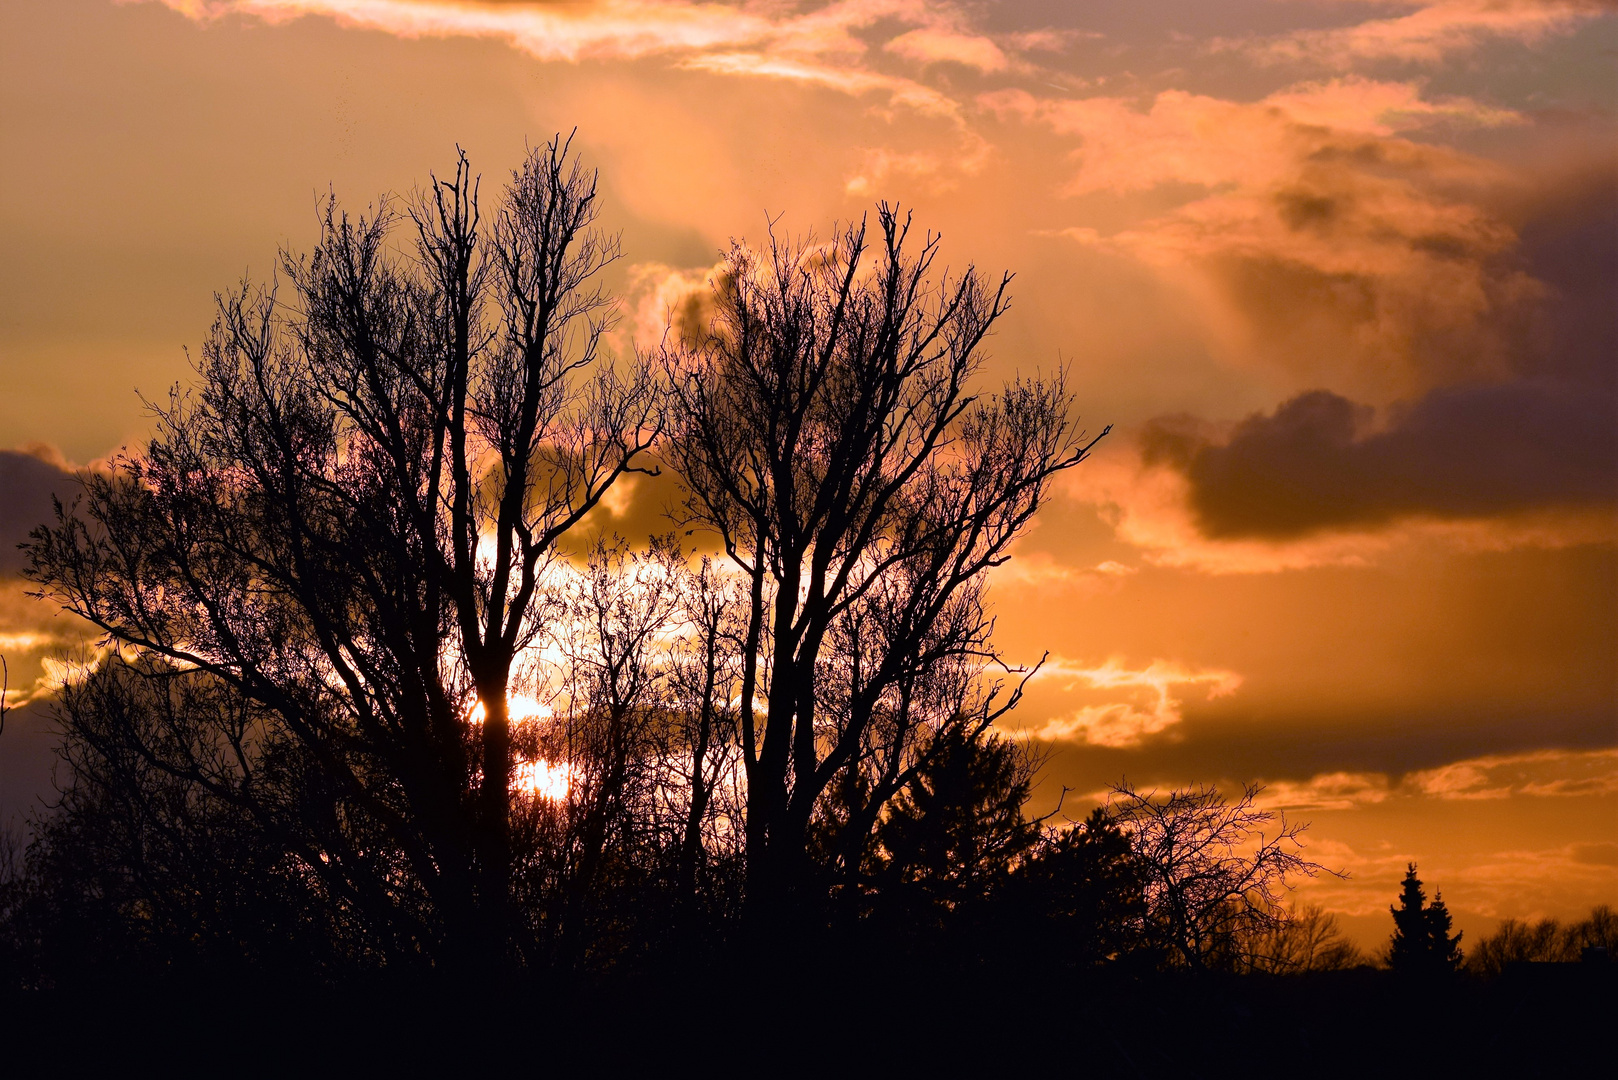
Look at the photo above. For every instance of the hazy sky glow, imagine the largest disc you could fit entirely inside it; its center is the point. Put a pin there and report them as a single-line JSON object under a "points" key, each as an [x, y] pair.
{"points": [[1341, 273]]}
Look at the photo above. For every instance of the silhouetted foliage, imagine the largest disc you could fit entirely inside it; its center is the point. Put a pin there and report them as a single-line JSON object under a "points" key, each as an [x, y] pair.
{"points": [[1421, 942], [957, 829], [1306, 939], [337, 542], [1081, 893], [945, 851], [1214, 878], [1545, 941], [372, 699], [824, 424]]}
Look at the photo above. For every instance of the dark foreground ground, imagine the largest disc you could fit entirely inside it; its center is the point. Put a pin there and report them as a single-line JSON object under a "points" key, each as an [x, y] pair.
{"points": [[1546, 1020]]}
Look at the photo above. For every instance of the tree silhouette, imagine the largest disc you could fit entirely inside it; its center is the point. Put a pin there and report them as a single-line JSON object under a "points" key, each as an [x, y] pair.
{"points": [[366, 700], [1517, 941], [824, 424], [1214, 878], [1082, 894], [1306, 939], [957, 831], [1421, 942], [336, 543]]}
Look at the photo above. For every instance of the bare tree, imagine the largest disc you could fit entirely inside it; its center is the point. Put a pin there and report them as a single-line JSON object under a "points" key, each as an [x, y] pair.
{"points": [[347, 522], [704, 788], [338, 567], [1299, 940], [825, 425], [1517, 941], [611, 641], [1215, 878]]}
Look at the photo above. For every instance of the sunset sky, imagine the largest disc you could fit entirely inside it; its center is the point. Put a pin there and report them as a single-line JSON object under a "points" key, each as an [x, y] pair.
{"points": [[1343, 275]]}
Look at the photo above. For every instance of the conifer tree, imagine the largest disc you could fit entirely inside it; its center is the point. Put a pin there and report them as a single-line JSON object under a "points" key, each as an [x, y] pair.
{"points": [[1421, 931]]}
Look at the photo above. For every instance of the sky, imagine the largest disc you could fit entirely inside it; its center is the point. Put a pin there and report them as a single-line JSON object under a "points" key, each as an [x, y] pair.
{"points": [[1340, 273]]}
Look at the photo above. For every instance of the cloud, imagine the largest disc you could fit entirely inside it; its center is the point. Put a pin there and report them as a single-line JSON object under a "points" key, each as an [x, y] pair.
{"points": [[28, 480], [1531, 883], [1329, 791], [1600, 853], [669, 300], [1149, 508], [1431, 34], [1515, 882], [937, 170], [928, 46], [1542, 774], [605, 29], [1373, 107], [1567, 226], [1046, 40], [1508, 444], [877, 50], [1311, 232], [1152, 508], [1315, 463], [34, 635], [818, 47], [848, 80], [1181, 137], [1537, 774], [1148, 705], [1041, 571]]}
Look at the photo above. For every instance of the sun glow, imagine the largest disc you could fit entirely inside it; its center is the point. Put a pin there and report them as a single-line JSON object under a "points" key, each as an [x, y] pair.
{"points": [[542, 780], [520, 709], [539, 779]]}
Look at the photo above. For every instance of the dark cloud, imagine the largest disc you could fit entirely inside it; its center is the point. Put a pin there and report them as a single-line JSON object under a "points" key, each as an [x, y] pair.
{"points": [[1569, 242], [27, 763], [1546, 437], [28, 479], [1229, 739], [1596, 854], [639, 507], [1466, 452]]}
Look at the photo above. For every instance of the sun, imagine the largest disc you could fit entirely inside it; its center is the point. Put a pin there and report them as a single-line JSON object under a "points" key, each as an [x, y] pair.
{"points": [[542, 780], [520, 708], [537, 778]]}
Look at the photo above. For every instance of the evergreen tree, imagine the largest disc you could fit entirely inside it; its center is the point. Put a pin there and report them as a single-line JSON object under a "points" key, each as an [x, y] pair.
{"points": [[1421, 931], [1082, 894], [1446, 950], [956, 832]]}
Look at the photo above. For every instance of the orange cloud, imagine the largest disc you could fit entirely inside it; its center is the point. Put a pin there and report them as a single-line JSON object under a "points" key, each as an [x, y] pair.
{"points": [[818, 47], [1188, 138], [1538, 774], [1428, 35], [1543, 774], [1153, 507], [1514, 452], [666, 299], [1457, 453], [930, 46], [1329, 791], [617, 29], [1563, 881], [29, 479], [937, 170], [845, 79], [1149, 704], [1312, 234]]}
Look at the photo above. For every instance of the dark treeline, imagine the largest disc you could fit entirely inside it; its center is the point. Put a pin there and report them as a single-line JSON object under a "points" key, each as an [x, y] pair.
{"points": [[376, 702]]}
